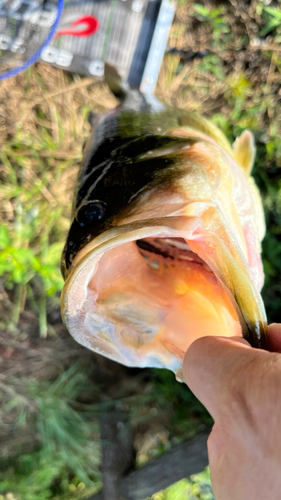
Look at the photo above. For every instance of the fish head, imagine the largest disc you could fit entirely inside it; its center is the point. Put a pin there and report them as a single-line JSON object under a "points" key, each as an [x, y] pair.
{"points": [[165, 240]]}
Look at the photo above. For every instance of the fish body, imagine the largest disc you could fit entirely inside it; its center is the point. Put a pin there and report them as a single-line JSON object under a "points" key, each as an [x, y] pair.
{"points": [[165, 240]]}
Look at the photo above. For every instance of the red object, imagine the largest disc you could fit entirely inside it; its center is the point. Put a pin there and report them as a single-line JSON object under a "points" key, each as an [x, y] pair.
{"points": [[92, 26]]}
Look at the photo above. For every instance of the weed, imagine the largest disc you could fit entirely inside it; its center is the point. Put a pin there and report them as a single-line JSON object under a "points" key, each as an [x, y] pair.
{"points": [[272, 18], [197, 488], [65, 460], [213, 17]]}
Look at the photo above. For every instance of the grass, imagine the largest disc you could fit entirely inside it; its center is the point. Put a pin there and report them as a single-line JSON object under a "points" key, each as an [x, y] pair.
{"points": [[38, 169], [42, 128], [66, 440], [197, 487]]}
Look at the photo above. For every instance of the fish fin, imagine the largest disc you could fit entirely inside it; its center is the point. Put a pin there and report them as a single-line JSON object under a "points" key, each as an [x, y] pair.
{"points": [[245, 151], [93, 118], [117, 86]]}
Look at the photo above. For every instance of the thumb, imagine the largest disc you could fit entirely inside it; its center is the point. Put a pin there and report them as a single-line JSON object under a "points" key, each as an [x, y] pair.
{"points": [[213, 366]]}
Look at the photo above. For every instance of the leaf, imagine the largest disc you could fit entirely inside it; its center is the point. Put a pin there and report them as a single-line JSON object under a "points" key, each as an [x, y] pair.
{"points": [[5, 238], [273, 22], [5, 267], [271, 25], [54, 253], [273, 12], [200, 9], [24, 255], [18, 275]]}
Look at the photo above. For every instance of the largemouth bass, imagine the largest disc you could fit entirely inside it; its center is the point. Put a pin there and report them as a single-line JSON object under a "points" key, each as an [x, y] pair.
{"points": [[165, 240]]}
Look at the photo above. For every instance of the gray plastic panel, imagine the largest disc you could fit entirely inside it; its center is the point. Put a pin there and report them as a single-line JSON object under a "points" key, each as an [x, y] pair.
{"points": [[132, 35]]}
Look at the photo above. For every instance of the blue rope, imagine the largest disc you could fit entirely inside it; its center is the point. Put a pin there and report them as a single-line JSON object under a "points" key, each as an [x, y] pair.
{"points": [[37, 54]]}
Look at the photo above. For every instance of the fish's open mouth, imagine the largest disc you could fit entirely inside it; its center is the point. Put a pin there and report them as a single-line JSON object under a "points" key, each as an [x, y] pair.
{"points": [[145, 300], [141, 293]]}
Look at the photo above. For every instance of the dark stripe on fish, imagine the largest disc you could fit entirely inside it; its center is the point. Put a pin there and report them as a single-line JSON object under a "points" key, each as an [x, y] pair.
{"points": [[117, 153]]}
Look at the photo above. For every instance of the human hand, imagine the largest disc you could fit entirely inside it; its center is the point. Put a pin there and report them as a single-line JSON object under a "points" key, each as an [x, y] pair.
{"points": [[241, 388]]}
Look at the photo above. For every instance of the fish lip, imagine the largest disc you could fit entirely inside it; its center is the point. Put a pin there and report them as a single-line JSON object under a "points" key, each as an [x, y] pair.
{"points": [[146, 227], [253, 322]]}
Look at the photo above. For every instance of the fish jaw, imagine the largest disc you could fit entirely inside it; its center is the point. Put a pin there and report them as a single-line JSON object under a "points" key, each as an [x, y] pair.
{"points": [[116, 304]]}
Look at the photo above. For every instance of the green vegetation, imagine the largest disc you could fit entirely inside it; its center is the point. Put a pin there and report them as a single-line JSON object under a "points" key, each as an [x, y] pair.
{"points": [[197, 487], [272, 17], [214, 18], [65, 459], [50, 412]]}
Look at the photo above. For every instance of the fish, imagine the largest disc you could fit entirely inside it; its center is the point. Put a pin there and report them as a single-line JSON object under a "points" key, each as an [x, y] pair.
{"points": [[164, 244]]}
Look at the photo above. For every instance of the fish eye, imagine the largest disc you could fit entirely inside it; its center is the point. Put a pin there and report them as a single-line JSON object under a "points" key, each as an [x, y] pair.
{"points": [[91, 212]]}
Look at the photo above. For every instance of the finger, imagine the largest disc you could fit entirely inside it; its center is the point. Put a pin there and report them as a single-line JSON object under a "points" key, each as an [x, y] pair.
{"points": [[274, 337], [216, 445], [212, 367]]}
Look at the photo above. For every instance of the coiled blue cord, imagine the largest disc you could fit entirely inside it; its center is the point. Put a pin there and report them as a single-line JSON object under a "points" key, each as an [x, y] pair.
{"points": [[37, 54]]}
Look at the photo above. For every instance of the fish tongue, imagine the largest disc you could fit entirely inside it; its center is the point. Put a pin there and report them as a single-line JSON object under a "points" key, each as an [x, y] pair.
{"points": [[235, 278]]}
